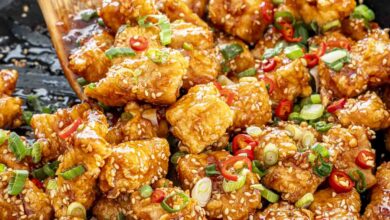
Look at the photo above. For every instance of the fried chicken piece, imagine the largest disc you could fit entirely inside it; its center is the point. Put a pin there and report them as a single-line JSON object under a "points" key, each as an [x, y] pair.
{"points": [[86, 148], [284, 210], [324, 11], [179, 10], [204, 64], [124, 35], [346, 144], [251, 104], [269, 40], [290, 81], [8, 158], [118, 12], [354, 28], [90, 60], [200, 117], [142, 79], [47, 126], [134, 164], [378, 208], [331, 205], [197, 6], [106, 208], [373, 57], [31, 203], [241, 62], [10, 112], [8, 80], [243, 19], [239, 204], [366, 110], [138, 122]]}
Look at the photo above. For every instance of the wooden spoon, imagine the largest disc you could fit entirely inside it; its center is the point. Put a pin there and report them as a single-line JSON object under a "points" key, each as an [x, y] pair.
{"points": [[58, 12]]}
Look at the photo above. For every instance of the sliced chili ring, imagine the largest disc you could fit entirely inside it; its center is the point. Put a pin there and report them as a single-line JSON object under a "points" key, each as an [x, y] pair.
{"points": [[157, 196], [322, 49], [288, 32], [268, 82], [37, 182], [267, 11], [139, 43], [283, 109], [268, 65], [311, 59], [336, 105], [365, 159], [229, 95], [243, 138], [66, 132], [339, 44], [340, 182], [231, 161]]}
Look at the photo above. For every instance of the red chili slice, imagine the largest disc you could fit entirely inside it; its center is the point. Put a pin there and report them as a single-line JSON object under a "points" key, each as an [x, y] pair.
{"points": [[268, 81], [157, 196], [139, 43], [288, 32], [268, 65], [283, 109], [37, 182], [336, 105], [322, 49], [339, 44], [245, 152], [243, 138], [365, 159], [311, 59], [267, 11], [66, 132], [340, 182], [229, 95], [231, 161]]}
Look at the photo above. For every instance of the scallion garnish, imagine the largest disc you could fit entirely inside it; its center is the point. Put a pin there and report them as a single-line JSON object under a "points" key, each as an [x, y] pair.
{"points": [[17, 182], [3, 136], [321, 150], [73, 172], [230, 185], [230, 51], [26, 116], [16, 146], [295, 116], [52, 185], [331, 25], [3, 167], [269, 195], [281, 16], [76, 209], [212, 170], [145, 191], [363, 12], [361, 184], [271, 154], [322, 126], [36, 153], [248, 72], [293, 52], [88, 14], [82, 81], [308, 139], [305, 201], [34, 103], [301, 31], [101, 22], [315, 99], [271, 52], [184, 199], [164, 25], [257, 168], [202, 191], [114, 52], [157, 55], [336, 59], [322, 168], [312, 111]]}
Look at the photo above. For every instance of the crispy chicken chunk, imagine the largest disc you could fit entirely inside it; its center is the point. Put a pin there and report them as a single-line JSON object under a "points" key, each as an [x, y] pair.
{"points": [[329, 204], [118, 12], [325, 11], [90, 61], [227, 205], [142, 79], [8, 158], [47, 126], [366, 110], [378, 208], [124, 35], [8, 80], [243, 19], [138, 122], [134, 164], [346, 144], [10, 112], [31, 203], [197, 36], [200, 117], [284, 210], [112, 208], [87, 151], [251, 104]]}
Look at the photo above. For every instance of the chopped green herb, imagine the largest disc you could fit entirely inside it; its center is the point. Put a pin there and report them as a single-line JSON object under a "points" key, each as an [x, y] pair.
{"points": [[248, 72], [271, 52], [82, 81], [230, 51], [88, 14], [114, 52], [157, 56], [16, 146], [26, 116]]}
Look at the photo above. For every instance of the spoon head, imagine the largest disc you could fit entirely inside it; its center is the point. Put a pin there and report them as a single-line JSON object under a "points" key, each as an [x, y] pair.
{"points": [[57, 14]]}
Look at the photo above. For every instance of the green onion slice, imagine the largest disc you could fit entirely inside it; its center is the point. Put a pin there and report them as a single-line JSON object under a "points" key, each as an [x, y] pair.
{"points": [[308, 139], [188, 46], [164, 25], [88, 14], [230, 51], [360, 182], [157, 56], [146, 191], [271, 154], [331, 25], [336, 59], [73, 172], [294, 131], [3, 136], [212, 170], [322, 126], [315, 99], [230, 186], [184, 199], [253, 131], [48, 170], [312, 158], [312, 111], [202, 191], [16, 146], [258, 168], [34, 103], [17, 182], [175, 157], [101, 22], [323, 169], [26, 116], [321, 150], [52, 184], [269, 195], [76, 209], [36, 153], [114, 52], [281, 16], [363, 12], [301, 31], [295, 116], [257, 186], [82, 81], [305, 201], [3, 167], [293, 52], [248, 72], [271, 52]]}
